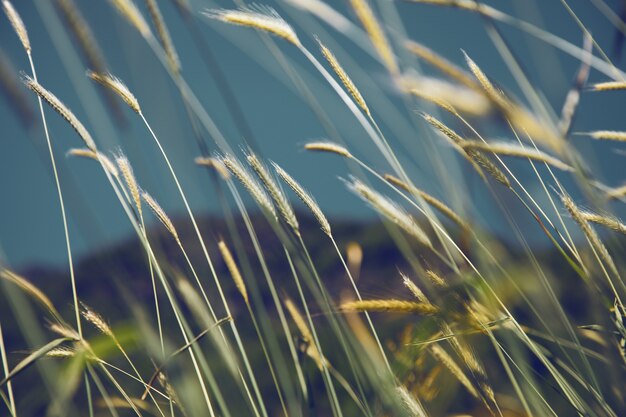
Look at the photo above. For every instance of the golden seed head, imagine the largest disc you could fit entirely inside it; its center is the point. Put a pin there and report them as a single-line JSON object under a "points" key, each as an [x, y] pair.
{"points": [[160, 213], [305, 197], [17, 23], [233, 269], [118, 87], [261, 18], [343, 76], [328, 147], [60, 108]]}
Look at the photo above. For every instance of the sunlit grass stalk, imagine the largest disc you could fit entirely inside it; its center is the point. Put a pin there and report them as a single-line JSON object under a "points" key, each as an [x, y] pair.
{"points": [[100, 324], [268, 278], [330, 387], [5, 368], [236, 275]]}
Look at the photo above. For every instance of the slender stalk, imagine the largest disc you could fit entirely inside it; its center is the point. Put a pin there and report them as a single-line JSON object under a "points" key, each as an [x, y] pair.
{"points": [[5, 368]]}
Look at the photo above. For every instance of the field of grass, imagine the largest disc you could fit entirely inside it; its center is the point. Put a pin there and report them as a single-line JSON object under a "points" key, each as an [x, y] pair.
{"points": [[489, 285]]}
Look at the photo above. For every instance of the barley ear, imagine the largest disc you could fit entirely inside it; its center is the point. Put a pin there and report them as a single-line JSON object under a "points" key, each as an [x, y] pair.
{"points": [[17, 23]]}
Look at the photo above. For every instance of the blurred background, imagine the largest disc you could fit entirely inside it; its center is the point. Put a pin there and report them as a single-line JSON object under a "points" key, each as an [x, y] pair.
{"points": [[252, 87]]}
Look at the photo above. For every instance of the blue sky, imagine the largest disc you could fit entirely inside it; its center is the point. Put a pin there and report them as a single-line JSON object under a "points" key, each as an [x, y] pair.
{"points": [[281, 120]]}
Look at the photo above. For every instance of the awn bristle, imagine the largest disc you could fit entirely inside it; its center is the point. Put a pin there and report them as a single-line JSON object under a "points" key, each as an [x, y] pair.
{"points": [[262, 18], [129, 11], [118, 87], [96, 156], [591, 235], [609, 135], [608, 221], [343, 76], [435, 202], [305, 197], [97, 320], [275, 192], [442, 64], [131, 182], [376, 34], [515, 150], [444, 358], [17, 23], [609, 86], [164, 35], [233, 269], [390, 210], [390, 305], [160, 213], [248, 181], [328, 147], [60, 108]]}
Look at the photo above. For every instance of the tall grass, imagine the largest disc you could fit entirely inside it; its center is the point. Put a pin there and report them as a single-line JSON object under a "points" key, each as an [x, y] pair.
{"points": [[436, 315]]}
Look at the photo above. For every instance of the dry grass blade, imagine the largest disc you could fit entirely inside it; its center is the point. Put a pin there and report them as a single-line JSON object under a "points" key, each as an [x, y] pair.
{"points": [[118, 87], [31, 290], [389, 210], [248, 181], [470, 5], [163, 34], [129, 11], [129, 178], [605, 220], [515, 150], [160, 213], [442, 64], [233, 269], [261, 18], [60, 108], [435, 202], [328, 147], [17, 23], [275, 192], [215, 164], [305, 332], [96, 156], [451, 97], [305, 197], [390, 305], [609, 86], [343, 76], [32, 358], [617, 192], [376, 34], [589, 233], [61, 352], [608, 135], [65, 331]]}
